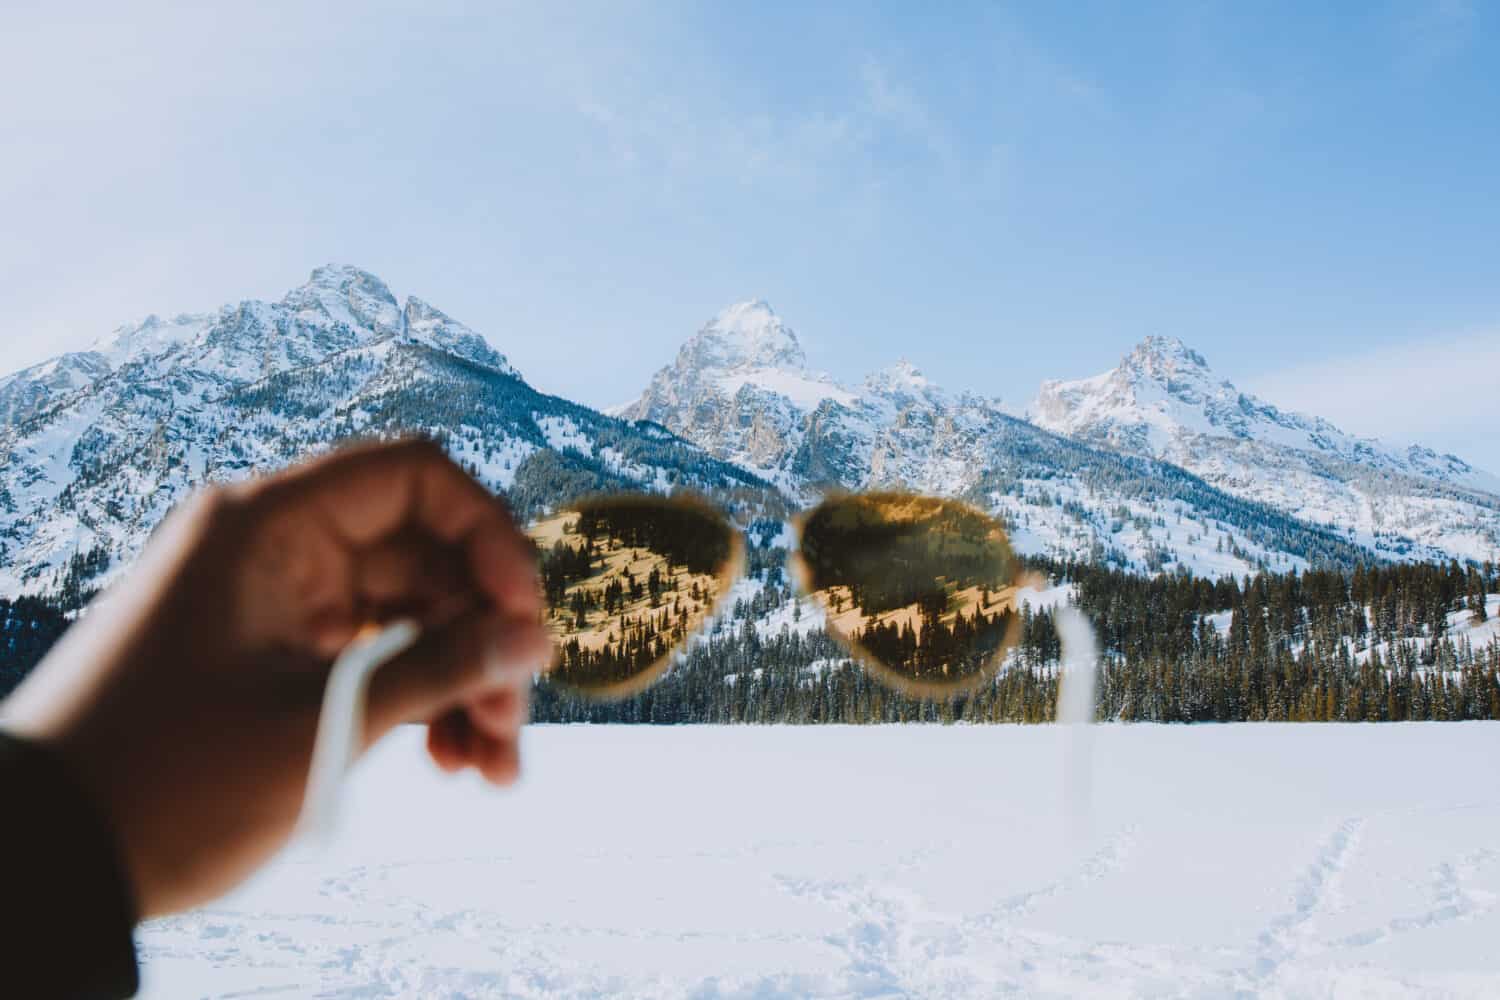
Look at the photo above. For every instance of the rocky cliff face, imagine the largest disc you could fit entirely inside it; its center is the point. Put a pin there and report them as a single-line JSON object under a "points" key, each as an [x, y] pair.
{"points": [[97, 446], [1163, 401], [740, 388], [1155, 465]]}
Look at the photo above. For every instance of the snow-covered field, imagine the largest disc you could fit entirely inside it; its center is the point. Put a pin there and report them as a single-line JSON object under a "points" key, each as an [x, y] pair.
{"points": [[1256, 860]]}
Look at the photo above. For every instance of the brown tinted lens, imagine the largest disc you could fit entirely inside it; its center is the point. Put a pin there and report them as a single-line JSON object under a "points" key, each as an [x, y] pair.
{"points": [[921, 589], [627, 581]]}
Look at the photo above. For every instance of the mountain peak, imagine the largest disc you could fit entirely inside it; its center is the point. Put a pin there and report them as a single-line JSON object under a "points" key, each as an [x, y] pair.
{"points": [[1161, 356], [343, 277], [901, 376], [747, 334], [344, 293], [1164, 402]]}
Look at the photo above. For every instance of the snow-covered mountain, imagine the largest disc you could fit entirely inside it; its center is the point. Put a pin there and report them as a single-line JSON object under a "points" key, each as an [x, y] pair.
{"points": [[740, 388], [96, 446], [1159, 467], [1163, 401]]}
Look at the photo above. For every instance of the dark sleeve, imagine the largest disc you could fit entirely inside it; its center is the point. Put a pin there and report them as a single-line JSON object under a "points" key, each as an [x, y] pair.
{"points": [[66, 910]]}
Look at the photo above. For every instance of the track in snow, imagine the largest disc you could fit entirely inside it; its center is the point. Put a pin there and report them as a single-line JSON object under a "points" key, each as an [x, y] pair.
{"points": [[885, 862]]}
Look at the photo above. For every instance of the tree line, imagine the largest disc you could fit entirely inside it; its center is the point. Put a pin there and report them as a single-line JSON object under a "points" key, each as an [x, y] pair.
{"points": [[1373, 644], [1370, 642]]}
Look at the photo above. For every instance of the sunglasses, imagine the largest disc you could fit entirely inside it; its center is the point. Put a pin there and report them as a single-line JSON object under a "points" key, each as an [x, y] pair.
{"points": [[922, 591]]}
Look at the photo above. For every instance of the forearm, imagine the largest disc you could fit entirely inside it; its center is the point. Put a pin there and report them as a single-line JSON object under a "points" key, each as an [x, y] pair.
{"points": [[66, 910]]}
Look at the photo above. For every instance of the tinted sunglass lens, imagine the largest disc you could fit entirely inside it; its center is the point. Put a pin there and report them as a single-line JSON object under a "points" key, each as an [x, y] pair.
{"points": [[920, 588], [627, 581]]}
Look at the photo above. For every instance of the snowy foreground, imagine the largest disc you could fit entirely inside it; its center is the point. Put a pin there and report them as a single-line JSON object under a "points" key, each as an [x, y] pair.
{"points": [[1274, 860]]}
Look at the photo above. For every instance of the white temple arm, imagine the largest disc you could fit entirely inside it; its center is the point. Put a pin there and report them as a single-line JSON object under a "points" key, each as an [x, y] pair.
{"points": [[1080, 654], [341, 722]]}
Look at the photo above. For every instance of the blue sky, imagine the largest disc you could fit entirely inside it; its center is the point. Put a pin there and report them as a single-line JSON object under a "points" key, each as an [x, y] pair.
{"points": [[1309, 194]]}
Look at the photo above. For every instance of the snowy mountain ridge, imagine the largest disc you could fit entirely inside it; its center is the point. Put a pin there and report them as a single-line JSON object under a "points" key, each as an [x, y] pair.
{"points": [[764, 410], [341, 307], [740, 388], [1163, 391], [1163, 401], [97, 445]]}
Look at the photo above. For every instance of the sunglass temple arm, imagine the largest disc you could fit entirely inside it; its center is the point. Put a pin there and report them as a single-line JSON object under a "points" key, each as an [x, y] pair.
{"points": [[341, 722]]}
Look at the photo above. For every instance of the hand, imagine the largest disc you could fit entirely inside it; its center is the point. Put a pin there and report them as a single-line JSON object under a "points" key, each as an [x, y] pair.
{"points": [[187, 697]]}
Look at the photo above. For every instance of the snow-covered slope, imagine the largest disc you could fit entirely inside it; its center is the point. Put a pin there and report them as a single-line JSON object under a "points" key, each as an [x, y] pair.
{"points": [[97, 446], [1157, 468], [1164, 402], [29, 391], [924, 862], [740, 388]]}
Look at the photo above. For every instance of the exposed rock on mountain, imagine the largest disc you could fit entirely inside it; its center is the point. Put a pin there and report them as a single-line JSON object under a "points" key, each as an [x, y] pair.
{"points": [[1164, 402], [740, 388], [97, 446], [1155, 465]]}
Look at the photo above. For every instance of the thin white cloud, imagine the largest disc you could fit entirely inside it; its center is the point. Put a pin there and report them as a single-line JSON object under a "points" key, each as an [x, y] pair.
{"points": [[887, 100], [1434, 31], [841, 144], [1443, 392]]}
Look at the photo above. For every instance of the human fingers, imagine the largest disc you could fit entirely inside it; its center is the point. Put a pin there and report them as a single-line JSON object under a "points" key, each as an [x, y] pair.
{"points": [[499, 760], [294, 579], [369, 492], [455, 743], [454, 664], [413, 575], [450, 740], [502, 712]]}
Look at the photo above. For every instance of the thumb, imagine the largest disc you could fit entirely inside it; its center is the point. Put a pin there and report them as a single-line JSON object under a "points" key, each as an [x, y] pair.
{"points": [[475, 653]]}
